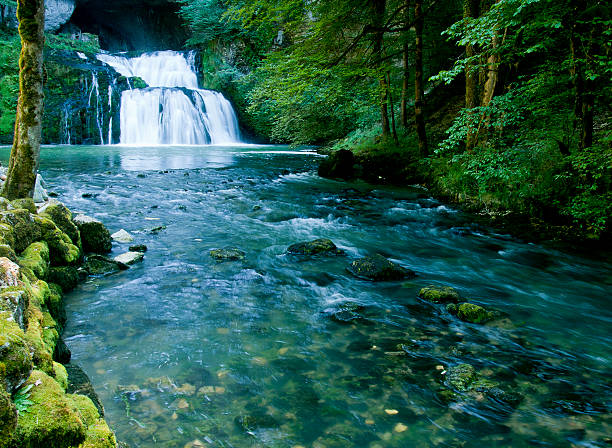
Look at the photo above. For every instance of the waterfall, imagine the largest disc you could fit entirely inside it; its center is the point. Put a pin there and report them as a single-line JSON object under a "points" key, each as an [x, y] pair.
{"points": [[173, 109]]}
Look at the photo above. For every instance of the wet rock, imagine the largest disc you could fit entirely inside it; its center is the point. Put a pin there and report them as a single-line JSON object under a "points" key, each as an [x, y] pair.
{"points": [[9, 273], [15, 301], [339, 165], [129, 258], [94, 235], [122, 236], [79, 383], [469, 312], [61, 249], [138, 248], [319, 246], [20, 230], [227, 254], [15, 355], [59, 214], [26, 204], [67, 277], [62, 353], [439, 294], [100, 265], [460, 377], [378, 268], [345, 313], [255, 420], [7, 251], [156, 230], [55, 304]]}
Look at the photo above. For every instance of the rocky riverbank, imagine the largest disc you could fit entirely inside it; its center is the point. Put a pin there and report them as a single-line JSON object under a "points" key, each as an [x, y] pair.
{"points": [[44, 401]]}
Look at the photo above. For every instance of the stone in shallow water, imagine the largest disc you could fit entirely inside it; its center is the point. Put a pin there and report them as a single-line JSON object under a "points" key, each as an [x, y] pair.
{"points": [[469, 312], [255, 420], [378, 268], [122, 236], [439, 294], [101, 265], [345, 313], [227, 254], [94, 235], [129, 258], [319, 246], [460, 377], [138, 248]]}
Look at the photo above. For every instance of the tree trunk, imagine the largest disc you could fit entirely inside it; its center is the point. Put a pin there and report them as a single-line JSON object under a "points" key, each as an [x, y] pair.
{"points": [[23, 163], [392, 107], [471, 9], [405, 87], [379, 7], [419, 93]]}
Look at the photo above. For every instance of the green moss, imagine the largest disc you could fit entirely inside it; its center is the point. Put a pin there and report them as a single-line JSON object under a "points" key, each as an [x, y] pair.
{"points": [[25, 228], [41, 293], [52, 421], [99, 435], [5, 204], [66, 277], [227, 254], [62, 218], [36, 258], [378, 268], [7, 251], [55, 303], [61, 375], [87, 409], [6, 235], [461, 377], [439, 294], [26, 204], [61, 249], [8, 418], [318, 246], [15, 357], [470, 312]]}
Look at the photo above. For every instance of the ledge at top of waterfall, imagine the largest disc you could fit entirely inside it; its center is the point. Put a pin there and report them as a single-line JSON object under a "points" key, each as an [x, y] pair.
{"points": [[173, 110]]}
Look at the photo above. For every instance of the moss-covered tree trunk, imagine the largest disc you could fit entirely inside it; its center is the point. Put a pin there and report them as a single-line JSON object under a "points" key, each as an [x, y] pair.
{"points": [[471, 10], [378, 11], [23, 164]]}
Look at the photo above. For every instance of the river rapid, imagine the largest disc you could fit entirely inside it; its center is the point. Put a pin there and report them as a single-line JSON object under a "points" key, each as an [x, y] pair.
{"points": [[185, 351]]}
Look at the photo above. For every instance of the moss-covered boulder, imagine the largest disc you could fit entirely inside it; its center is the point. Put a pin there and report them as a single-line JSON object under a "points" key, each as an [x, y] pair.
{"points": [[67, 277], [9, 273], [470, 312], [8, 418], [79, 383], [5, 204], [41, 343], [36, 258], [15, 300], [94, 235], [99, 435], [7, 238], [321, 246], [26, 204], [7, 251], [227, 254], [15, 357], [55, 304], [25, 228], [62, 218], [439, 294], [61, 249], [61, 375], [52, 421], [378, 268]]}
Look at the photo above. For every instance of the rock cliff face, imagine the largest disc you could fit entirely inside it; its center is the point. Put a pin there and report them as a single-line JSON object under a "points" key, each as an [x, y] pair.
{"points": [[57, 13]]}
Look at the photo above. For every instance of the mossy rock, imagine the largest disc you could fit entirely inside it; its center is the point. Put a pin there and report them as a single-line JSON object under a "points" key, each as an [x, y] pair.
{"points": [[460, 377], [8, 418], [94, 235], [41, 343], [15, 354], [16, 300], [62, 218], [227, 254], [61, 249], [67, 277], [61, 353], [86, 408], [98, 265], [469, 312], [36, 258], [256, 420], [55, 303], [99, 435], [9, 273], [26, 204], [378, 268], [25, 228], [61, 375], [5, 204], [347, 312], [52, 421], [79, 383], [7, 237], [439, 294], [7, 251], [322, 246]]}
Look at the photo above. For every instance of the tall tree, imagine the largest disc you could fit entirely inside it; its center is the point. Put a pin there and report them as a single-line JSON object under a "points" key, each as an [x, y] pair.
{"points": [[419, 91], [378, 22], [23, 163]]}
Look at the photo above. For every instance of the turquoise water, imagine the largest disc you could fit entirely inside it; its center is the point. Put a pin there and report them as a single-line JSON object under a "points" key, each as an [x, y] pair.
{"points": [[186, 351]]}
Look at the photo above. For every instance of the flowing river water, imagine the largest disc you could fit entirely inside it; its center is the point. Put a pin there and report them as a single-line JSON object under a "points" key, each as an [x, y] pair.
{"points": [[185, 351]]}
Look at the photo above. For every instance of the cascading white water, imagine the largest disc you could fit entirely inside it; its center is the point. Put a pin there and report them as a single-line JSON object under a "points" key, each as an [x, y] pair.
{"points": [[173, 109]]}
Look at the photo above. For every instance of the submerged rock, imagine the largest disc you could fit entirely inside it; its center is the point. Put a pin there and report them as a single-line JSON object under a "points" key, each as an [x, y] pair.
{"points": [[138, 248], [439, 294], [346, 312], [227, 254], [94, 235], [100, 265], [378, 268], [256, 420], [460, 377], [129, 258], [122, 236], [319, 246], [469, 312]]}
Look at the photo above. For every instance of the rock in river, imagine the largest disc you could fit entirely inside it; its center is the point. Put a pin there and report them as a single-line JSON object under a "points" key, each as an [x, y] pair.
{"points": [[439, 294], [129, 258], [122, 236], [378, 268], [227, 254], [101, 265], [319, 246], [94, 235], [469, 312]]}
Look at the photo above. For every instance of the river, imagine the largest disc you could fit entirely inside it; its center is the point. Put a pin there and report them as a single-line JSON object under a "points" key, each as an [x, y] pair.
{"points": [[185, 351]]}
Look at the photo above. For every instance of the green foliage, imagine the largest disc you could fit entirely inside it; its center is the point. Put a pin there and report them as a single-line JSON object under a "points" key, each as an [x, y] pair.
{"points": [[21, 399]]}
